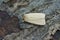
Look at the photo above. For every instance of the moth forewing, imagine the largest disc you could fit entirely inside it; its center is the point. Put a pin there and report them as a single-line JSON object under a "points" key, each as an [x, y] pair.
{"points": [[35, 18]]}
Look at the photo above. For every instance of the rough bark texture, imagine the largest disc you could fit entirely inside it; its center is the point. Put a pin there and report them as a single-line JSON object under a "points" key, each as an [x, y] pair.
{"points": [[30, 31]]}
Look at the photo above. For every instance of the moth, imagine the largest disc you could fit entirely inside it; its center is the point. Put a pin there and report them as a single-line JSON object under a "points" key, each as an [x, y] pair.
{"points": [[35, 18]]}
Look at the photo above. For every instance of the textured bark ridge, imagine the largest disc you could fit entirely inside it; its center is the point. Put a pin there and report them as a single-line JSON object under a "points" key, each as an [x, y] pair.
{"points": [[30, 31]]}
